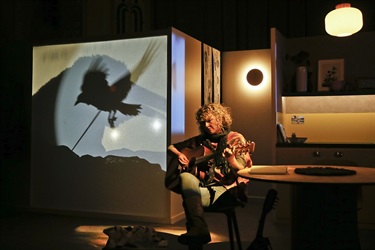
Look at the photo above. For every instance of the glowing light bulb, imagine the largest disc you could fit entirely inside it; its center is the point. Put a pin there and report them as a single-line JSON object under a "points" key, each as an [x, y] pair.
{"points": [[156, 125], [115, 134]]}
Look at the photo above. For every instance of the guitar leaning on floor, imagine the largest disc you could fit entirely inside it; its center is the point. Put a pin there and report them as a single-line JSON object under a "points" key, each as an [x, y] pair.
{"points": [[260, 242], [200, 164]]}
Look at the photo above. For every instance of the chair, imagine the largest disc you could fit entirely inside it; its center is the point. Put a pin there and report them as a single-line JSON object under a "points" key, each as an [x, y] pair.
{"points": [[230, 213]]}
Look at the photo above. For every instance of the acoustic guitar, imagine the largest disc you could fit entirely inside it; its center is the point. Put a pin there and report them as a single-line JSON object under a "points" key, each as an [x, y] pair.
{"points": [[198, 160], [260, 242], [201, 162]]}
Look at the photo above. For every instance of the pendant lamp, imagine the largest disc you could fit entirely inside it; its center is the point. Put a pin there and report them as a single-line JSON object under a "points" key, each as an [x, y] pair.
{"points": [[344, 20]]}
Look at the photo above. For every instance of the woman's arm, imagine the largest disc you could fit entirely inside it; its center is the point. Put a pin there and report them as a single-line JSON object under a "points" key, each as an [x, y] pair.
{"points": [[237, 161], [181, 157], [240, 162], [189, 143]]}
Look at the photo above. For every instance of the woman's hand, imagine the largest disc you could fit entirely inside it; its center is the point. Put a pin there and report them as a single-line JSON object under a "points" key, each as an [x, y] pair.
{"points": [[228, 153], [184, 161]]}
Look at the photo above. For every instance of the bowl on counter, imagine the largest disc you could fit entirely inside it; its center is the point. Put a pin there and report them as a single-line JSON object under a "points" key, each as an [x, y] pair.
{"points": [[297, 140]]}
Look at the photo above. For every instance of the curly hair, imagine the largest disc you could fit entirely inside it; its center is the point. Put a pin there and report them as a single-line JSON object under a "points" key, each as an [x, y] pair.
{"points": [[220, 112]]}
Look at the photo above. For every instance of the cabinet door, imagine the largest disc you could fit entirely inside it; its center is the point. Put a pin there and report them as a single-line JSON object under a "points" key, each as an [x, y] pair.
{"points": [[363, 157]]}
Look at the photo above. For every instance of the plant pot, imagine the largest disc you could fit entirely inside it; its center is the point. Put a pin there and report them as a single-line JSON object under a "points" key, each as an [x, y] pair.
{"points": [[301, 79], [337, 85]]}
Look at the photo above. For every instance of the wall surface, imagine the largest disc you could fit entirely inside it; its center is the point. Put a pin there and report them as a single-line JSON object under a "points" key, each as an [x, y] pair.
{"points": [[253, 108], [186, 88], [331, 119]]}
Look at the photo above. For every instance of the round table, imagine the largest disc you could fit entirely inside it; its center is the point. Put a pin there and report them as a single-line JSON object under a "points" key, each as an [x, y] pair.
{"points": [[324, 208]]}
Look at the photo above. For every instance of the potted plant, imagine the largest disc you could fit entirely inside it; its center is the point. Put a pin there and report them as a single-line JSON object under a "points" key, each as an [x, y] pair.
{"points": [[330, 80], [329, 77]]}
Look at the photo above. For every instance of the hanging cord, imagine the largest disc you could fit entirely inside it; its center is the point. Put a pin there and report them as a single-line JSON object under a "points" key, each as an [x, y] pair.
{"points": [[86, 130]]}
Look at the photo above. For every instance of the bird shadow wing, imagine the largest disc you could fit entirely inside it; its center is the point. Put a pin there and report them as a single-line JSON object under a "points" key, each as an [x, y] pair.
{"points": [[123, 85], [144, 62]]}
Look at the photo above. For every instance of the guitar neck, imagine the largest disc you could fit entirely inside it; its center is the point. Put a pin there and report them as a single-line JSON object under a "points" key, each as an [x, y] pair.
{"points": [[261, 225], [269, 203], [204, 158]]}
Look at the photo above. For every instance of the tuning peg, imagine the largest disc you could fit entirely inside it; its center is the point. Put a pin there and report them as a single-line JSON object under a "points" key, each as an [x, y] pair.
{"points": [[275, 202]]}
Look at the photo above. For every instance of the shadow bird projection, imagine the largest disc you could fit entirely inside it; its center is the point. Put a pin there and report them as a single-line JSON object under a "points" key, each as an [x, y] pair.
{"points": [[96, 90]]}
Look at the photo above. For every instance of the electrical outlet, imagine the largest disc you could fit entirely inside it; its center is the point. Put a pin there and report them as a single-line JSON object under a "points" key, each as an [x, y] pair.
{"points": [[298, 119]]}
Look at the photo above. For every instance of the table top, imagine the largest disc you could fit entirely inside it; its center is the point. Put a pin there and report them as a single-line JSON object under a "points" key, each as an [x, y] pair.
{"points": [[363, 176]]}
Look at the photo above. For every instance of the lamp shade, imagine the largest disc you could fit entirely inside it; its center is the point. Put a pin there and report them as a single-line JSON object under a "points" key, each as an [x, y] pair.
{"points": [[343, 21], [254, 77]]}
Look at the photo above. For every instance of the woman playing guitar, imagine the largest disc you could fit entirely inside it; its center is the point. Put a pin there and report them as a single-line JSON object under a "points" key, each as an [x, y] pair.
{"points": [[206, 167]]}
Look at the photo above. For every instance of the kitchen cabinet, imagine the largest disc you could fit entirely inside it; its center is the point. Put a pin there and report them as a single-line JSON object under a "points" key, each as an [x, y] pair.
{"points": [[328, 154]]}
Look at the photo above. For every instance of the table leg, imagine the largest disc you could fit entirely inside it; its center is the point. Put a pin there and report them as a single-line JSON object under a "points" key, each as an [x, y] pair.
{"points": [[324, 217]]}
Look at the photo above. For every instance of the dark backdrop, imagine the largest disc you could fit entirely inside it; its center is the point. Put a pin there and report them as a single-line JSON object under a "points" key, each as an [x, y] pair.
{"points": [[223, 24]]}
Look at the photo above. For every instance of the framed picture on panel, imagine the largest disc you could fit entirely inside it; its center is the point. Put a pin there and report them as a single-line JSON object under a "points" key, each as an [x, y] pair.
{"points": [[329, 71]]}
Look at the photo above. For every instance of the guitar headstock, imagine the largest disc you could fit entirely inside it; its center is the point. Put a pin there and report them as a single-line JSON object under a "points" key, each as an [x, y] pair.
{"points": [[248, 146], [271, 201]]}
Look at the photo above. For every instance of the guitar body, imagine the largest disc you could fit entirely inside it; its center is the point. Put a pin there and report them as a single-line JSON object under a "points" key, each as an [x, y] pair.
{"points": [[172, 175], [260, 243], [174, 169], [196, 152], [202, 165], [198, 169]]}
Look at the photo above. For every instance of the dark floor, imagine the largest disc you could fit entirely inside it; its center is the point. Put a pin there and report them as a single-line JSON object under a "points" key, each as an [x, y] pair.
{"points": [[54, 232]]}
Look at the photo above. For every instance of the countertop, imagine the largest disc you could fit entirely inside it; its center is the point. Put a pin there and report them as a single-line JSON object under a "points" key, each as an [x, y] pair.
{"points": [[363, 176]]}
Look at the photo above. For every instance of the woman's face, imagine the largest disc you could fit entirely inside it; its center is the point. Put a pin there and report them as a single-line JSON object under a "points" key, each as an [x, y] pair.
{"points": [[211, 125]]}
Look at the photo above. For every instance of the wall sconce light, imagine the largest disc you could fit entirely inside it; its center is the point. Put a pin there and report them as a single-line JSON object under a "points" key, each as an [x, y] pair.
{"points": [[254, 77], [343, 21]]}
